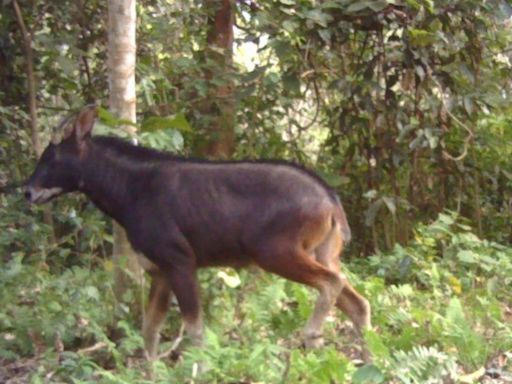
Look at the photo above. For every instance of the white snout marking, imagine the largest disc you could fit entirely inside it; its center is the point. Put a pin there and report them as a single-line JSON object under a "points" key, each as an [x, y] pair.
{"points": [[42, 195]]}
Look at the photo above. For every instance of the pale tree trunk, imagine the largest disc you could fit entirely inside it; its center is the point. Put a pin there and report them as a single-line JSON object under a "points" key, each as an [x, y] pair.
{"points": [[122, 103], [220, 103]]}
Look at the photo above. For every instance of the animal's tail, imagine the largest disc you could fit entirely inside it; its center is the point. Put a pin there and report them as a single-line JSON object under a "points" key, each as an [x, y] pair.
{"points": [[341, 218]]}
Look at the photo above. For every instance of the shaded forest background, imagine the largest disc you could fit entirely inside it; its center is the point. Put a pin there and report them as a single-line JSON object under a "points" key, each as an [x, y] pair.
{"points": [[402, 106]]}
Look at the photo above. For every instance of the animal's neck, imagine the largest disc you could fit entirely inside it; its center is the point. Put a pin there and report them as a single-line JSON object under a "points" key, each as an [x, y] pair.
{"points": [[108, 182]]}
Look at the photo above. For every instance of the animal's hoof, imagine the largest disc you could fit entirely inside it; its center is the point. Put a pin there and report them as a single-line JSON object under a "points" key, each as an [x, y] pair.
{"points": [[313, 341]]}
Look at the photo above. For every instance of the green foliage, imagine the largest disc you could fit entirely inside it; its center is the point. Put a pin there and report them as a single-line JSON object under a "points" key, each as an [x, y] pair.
{"points": [[440, 318], [399, 102], [447, 257], [423, 365], [380, 96], [368, 374], [442, 307], [403, 107]]}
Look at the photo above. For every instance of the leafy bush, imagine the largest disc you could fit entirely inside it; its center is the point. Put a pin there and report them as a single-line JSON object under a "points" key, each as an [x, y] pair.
{"points": [[447, 256], [441, 309], [437, 303]]}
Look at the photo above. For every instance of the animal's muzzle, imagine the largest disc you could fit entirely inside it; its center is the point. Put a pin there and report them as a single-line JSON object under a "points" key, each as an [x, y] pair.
{"points": [[41, 195]]}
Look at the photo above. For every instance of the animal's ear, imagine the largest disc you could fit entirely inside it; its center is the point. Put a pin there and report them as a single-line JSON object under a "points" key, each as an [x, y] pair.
{"points": [[82, 125], [85, 122]]}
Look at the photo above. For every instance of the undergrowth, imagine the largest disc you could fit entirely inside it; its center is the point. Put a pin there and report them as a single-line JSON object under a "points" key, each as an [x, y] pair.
{"points": [[442, 313]]}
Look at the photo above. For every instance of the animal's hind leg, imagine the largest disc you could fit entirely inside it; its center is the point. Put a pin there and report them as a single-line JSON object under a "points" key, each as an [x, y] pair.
{"points": [[327, 294], [355, 306], [294, 263]]}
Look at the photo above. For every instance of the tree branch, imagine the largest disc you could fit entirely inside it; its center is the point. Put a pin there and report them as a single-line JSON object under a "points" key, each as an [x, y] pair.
{"points": [[470, 135]]}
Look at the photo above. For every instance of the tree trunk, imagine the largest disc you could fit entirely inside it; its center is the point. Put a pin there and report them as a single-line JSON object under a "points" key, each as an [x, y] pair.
{"points": [[219, 106], [122, 103]]}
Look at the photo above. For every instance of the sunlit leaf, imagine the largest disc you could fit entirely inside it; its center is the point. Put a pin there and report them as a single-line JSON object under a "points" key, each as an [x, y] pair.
{"points": [[229, 277], [177, 121]]}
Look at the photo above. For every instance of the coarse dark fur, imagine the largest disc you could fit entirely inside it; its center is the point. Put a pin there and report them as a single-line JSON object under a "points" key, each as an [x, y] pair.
{"points": [[164, 191], [183, 214], [145, 155]]}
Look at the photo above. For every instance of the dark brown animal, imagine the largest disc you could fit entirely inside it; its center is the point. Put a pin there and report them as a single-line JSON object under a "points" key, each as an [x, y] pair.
{"points": [[183, 214]]}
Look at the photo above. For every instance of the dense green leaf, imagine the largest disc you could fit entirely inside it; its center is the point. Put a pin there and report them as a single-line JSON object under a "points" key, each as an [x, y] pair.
{"points": [[177, 121], [368, 374]]}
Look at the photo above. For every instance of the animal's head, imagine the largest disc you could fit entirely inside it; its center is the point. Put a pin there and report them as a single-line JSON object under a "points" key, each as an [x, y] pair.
{"points": [[58, 169]]}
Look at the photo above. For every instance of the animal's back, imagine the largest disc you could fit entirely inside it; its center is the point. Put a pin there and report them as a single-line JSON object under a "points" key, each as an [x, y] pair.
{"points": [[222, 207], [218, 206]]}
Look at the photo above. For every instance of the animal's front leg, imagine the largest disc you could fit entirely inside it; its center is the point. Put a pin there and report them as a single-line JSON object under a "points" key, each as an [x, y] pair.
{"points": [[184, 284], [158, 305]]}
